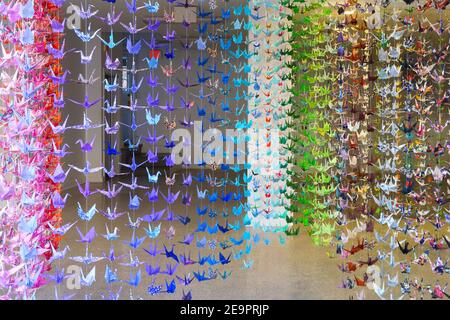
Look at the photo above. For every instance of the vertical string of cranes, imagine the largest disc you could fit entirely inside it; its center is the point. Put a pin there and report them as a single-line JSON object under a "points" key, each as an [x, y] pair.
{"points": [[30, 99], [371, 90]]}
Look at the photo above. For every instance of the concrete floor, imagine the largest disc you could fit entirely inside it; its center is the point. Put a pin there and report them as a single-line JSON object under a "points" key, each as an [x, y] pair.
{"points": [[296, 270]]}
